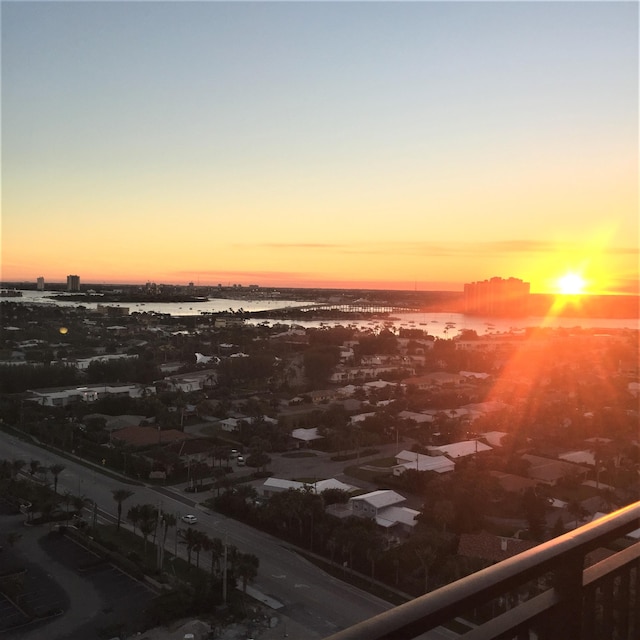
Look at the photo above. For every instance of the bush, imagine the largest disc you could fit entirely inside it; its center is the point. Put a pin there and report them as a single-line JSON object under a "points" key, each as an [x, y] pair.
{"points": [[168, 607]]}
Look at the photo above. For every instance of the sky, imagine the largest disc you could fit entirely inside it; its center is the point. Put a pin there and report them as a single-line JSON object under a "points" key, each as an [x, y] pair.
{"points": [[402, 145]]}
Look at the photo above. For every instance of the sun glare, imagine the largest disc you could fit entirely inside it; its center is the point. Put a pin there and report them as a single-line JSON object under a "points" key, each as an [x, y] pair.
{"points": [[571, 284]]}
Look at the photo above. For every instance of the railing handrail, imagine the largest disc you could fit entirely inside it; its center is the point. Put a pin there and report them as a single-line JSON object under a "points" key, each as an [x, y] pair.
{"points": [[439, 606]]}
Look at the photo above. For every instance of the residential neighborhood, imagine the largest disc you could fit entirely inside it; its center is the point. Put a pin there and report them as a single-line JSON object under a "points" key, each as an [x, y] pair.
{"points": [[386, 453]]}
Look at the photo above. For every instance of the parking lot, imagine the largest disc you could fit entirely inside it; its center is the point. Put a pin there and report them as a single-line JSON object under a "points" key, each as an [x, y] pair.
{"points": [[34, 593], [82, 594]]}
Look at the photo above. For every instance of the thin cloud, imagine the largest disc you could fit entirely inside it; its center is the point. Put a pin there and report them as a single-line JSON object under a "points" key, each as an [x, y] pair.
{"points": [[439, 249], [287, 245], [224, 275]]}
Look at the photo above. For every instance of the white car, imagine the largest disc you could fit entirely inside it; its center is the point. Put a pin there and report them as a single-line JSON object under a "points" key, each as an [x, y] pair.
{"points": [[189, 519]]}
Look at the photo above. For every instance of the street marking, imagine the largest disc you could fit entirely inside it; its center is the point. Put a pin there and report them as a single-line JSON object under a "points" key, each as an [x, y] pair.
{"points": [[301, 586], [273, 575]]}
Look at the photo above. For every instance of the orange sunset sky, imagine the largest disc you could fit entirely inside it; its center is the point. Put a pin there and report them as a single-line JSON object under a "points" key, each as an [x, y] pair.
{"points": [[374, 145]]}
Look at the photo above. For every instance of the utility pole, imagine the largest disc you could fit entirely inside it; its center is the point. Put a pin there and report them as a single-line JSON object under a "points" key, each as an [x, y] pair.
{"points": [[224, 571]]}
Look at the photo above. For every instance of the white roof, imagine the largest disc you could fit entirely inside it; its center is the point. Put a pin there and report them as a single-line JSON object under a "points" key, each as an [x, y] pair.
{"points": [[306, 434], [450, 413], [494, 438], [279, 483], [486, 407], [362, 416], [317, 487], [439, 464], [416, 417], [380, 499], [331, 483], [349, 390], [461, 449], [393, 515], [380, 384], [579, 457], [473, 374]]}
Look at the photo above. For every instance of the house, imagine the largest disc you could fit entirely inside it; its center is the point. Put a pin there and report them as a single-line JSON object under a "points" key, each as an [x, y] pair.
{"points": [[322, 395], [361, 417], [369, 504], [461, 449], [63, 396], [305, 436], [483, 408], [418, 418], [493, 438], [272, 486], [412, 460], [371, 372], [551, 471], [398, 520], [385, 508], [512, 483], [229, 424], [193, 381], [431, 380], [475, 375], [579, 457], [490, 548]]}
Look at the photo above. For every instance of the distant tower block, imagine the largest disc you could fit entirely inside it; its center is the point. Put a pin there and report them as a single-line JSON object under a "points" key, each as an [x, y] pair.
{"points": [[497, 297], [40, 284], [73, 283]]}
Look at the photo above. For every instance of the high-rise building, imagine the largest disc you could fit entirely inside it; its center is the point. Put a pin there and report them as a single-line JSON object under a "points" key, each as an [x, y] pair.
{"points": [[73, 283], [40, 284], [497, 297]]}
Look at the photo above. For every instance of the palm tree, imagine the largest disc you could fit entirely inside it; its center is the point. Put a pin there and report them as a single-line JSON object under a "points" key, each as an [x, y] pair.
{"points": [[34, 465], [201, 540], [120, 495], [79, 503], [134, 515], [216, 548], [16, 467], [168, 520], [56, 470], [190, 539], [247, 569], [148, 522], [67, 497]]}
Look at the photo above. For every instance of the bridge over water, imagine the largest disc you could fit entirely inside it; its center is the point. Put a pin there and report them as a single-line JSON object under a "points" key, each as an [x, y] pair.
{"points": [[356, 308]]}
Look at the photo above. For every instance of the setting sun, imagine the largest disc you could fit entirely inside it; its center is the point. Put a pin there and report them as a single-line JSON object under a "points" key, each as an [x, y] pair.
{"points": [[571, 284]]}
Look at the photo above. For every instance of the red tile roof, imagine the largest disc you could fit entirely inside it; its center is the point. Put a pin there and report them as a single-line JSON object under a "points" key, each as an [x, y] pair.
{"points": [[492, 548]]}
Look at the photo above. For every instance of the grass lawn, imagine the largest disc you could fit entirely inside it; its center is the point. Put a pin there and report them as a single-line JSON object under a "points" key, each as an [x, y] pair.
{"points": [[355, 579], [358, 472], [299, 454], [383, 462]]}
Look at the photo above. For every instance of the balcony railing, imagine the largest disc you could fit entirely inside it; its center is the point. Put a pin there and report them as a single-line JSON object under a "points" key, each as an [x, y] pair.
{"points": [[545, 593]]}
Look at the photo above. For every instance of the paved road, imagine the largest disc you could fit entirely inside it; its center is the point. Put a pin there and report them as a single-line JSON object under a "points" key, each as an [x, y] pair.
{"points": [[309, 596]]}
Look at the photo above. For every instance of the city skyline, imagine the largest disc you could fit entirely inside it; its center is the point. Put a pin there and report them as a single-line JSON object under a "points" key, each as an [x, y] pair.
{"points": [[357, 145]]}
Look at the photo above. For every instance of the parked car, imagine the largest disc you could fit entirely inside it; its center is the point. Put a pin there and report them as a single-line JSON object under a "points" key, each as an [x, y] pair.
{"points": [[189, 519], [240, 461]]}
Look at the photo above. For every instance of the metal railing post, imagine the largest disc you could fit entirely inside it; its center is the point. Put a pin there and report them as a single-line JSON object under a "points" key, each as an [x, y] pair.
{"points": [[568, 585]]}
